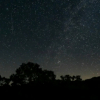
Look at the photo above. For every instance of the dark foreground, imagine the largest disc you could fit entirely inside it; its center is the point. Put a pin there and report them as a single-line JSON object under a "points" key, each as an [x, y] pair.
{"points": [[69, 91]]}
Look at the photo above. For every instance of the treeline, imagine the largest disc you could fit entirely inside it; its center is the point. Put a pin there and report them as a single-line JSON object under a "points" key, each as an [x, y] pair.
{"points": [[30, 73], [30, 81]]}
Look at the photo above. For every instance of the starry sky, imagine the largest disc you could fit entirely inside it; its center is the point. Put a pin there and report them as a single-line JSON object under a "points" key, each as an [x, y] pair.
{"points": [[59, 35]]}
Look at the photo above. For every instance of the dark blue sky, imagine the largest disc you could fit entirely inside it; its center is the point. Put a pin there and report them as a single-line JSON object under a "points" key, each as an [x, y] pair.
{"points": [[59, 35]]}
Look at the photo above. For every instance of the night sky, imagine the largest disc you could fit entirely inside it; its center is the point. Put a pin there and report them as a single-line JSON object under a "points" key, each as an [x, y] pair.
{"points": [[59, 35]]}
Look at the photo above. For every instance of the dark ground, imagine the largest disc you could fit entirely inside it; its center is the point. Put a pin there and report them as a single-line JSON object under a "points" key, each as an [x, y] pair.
{"points": [[74, 91]]}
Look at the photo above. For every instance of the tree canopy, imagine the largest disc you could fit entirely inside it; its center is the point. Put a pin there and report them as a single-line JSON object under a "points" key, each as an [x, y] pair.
{"points": [[31, 72]]}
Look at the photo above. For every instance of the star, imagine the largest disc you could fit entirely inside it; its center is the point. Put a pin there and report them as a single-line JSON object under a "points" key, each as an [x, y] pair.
{"points": [[58, 61], [7, 8]]}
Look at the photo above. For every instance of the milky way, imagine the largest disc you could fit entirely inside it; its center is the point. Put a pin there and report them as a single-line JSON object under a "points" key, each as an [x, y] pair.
{"points": [[59, 35]]}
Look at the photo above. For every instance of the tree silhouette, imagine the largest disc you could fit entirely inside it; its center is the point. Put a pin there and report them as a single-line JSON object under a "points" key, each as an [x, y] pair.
{"points": [[4, 81], [30, 73], [78, 78], [48, 75], [1, 81], [16, 80], [62, 77], [65, 78], [73, 78], [26, 73]]}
